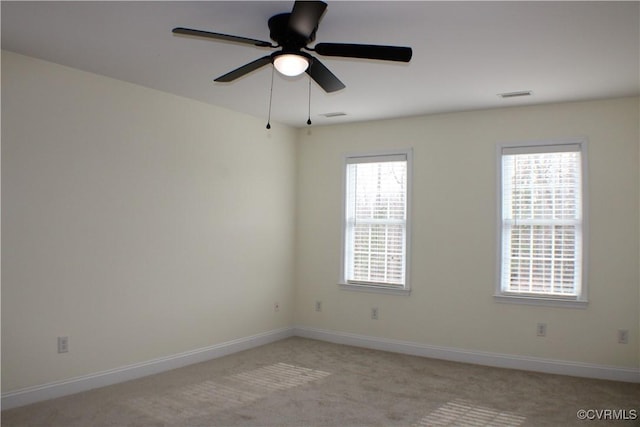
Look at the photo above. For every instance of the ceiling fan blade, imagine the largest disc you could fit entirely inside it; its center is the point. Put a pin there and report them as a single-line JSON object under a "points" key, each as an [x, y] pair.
{"points": [[305, 16], [245, 69], [367, 51], [325, 78], [219, 36]]}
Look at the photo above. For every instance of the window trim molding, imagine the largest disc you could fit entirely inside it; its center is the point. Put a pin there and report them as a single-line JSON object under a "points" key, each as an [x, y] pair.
{"points": [[581, 300], [374, 288]]}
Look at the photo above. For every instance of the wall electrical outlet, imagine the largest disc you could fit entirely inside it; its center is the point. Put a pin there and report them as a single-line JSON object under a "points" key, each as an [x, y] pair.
{"points": [[623, 336], [318, 305], [541, 330], [374, 313], [63, 344]]}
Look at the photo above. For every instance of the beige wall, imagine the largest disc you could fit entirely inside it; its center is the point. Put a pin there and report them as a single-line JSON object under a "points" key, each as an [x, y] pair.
{"points": [[138, 223], [143, 225], [454, 237]]}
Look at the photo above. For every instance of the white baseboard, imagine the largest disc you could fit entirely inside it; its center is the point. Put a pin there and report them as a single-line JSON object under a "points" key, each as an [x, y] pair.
{"points": [[100, 379], [549, 366], [52, 390]]}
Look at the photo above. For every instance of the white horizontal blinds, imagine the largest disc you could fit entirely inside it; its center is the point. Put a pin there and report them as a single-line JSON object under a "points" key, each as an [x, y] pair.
{"points": [[542, 220], [376, 220]]}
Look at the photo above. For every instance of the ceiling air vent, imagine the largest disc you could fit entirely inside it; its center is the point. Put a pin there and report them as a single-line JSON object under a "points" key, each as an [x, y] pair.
{"points": [[335, 114], [515, 94]]}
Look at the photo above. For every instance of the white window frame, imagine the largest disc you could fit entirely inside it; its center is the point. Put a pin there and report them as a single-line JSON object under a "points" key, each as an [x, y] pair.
{"points": [[580, 300], [372, 156]]}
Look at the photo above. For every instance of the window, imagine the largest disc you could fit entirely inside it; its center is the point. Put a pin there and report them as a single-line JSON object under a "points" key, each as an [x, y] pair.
{"points": [[375, 224], [542, 223]]}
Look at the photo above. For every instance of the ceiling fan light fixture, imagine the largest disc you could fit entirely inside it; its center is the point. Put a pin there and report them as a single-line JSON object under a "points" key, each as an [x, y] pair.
{"points": [[291, 64]]}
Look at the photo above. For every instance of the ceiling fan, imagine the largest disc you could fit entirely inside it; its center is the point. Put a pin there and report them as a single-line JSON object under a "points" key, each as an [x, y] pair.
{"points": [[292, 32]]}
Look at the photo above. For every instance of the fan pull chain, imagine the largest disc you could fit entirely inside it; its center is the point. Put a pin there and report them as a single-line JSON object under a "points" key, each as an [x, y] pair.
{"points": [[270, 99], [309, 119]]}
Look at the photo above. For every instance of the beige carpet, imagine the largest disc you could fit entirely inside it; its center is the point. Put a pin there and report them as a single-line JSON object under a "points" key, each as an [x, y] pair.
{"points": [[301, 382]]}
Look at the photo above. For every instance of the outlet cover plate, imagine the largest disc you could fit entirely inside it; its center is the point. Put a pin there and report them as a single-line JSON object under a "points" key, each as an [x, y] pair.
{"points": [[63, 344], [541, 330], [623, 336]]}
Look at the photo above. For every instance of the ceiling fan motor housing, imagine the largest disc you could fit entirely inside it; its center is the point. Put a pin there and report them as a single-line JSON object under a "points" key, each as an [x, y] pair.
{"points": [[285, 36]]}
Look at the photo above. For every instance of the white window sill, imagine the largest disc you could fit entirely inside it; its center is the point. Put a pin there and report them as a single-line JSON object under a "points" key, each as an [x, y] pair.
{"points": [[374, 289], [541, 300]]}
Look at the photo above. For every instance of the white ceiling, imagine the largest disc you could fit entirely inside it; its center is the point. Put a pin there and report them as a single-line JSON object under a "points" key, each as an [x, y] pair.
{"points": [[464, 53]]}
